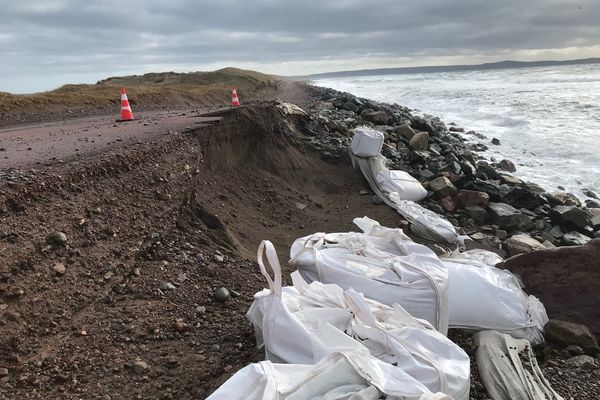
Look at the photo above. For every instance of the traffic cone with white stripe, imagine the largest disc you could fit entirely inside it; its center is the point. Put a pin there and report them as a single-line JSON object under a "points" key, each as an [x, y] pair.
{"points": [[235, 102], [126, 114]]}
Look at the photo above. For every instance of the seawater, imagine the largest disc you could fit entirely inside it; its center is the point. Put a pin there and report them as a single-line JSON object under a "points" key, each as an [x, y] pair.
{"points": [[547, 118]]}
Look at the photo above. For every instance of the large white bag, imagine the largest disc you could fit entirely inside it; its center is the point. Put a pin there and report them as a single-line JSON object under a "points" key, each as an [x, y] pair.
{"points": [[339, 376], [366, 142], [383, 264], [482, 297], [509, 369], [290, 322], [407, 187]]}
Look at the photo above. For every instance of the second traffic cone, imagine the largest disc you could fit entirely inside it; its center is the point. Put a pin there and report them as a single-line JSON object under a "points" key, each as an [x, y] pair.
{"points": [[126, 114], [235, 102]]}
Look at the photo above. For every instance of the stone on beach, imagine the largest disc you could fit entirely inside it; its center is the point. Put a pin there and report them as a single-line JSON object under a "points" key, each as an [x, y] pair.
{"points": [[442, 187], [508, 217], [522, 243]]}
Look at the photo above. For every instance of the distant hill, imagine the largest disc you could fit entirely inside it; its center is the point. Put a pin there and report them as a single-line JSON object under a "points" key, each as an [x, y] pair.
{"points": [[449, 68]]}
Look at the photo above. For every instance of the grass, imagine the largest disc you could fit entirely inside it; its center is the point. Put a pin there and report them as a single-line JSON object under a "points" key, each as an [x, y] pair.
{"points": [[164, 89]]}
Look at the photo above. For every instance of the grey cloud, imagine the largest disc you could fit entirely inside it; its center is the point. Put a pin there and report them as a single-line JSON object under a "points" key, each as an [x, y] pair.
{"points": [[102, 37]]}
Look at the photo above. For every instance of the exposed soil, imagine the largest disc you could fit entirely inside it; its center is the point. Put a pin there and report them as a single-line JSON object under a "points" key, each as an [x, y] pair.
{"points": [[133, 315]]}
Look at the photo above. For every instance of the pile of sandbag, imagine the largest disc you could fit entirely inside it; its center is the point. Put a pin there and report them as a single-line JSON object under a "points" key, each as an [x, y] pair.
{"points": [[301, 324], [458, 292]]}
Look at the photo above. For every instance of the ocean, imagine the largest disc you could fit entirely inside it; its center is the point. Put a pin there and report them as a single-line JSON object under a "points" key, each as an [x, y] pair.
{"points": [[546, 118]]}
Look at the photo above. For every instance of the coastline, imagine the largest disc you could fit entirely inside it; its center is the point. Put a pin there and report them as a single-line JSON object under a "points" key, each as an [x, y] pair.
{"points": [[169, 222]]}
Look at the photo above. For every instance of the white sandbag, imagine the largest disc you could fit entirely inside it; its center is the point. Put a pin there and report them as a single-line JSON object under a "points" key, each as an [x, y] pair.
{"points": [[383, 264], [339, 376], [425, 223], [290, 322], [366, 142], [500, 361], [481, 297], [407, 187]]}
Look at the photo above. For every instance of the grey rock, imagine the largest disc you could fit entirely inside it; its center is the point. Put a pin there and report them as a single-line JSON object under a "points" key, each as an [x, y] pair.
{"points": [[522, 243], [566, 333], [507, 165], [201, 310], [508, 217], [426, 175], [3, 372], [595, 222], [167, 286], [570, 216], [574, 239], [376, 200], [405, 131], [139, 367], [496, 141], [215, 348], [501, 234], [222, 294], [57, 239], [419, 141], [582, 361], [557, 232], [376, 117], [442, 187], [479, 214], [576, 350]]}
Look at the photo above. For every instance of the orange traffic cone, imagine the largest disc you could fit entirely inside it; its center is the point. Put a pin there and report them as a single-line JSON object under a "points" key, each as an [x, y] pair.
{"points": [[126, 114], [235, 102]]}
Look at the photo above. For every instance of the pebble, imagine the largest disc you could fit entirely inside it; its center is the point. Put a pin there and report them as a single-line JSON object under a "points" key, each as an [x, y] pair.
{"points": [[376, 200], [167, 286], [57, 239], [222, 294], [219, 257], [215, 348], [201, 310], [139, 367], [3, 372], [59, 268]]}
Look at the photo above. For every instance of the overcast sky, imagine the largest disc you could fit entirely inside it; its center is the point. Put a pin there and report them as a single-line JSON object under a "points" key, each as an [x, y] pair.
{"points": [[46, 43]]}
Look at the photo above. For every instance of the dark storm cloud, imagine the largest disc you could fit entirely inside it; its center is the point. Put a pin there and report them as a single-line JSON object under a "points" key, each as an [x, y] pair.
{"points": [[53, 37]]}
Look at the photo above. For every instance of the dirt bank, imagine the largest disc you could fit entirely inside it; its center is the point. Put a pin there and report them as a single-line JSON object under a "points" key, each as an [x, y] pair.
{"points": [[125, 308]]}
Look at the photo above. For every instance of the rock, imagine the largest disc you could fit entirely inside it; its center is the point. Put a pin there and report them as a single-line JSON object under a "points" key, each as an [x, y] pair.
{"points": [[491, 189], [465, 198], [57, 239], [448, 204], [489, 171], [426, 175], [376, 117], [418, 157], [167, 286], [567, 199], [595, 222], [219, 258], [565, 279], [582, 362], [523, 197], [139, 367], [479, 214], [569, 216], [496, 141], [376, 200], [557, 232], [522, 243], [508, 217], [566, 333], [215, 348], [442, 187], [574, 349], [507, 165], [180, 326], [511, 180], [59, 268], [201, 310], [467, 167], [574, 239], [591, 194], [419, 141], [222, 294], [405, 131]]}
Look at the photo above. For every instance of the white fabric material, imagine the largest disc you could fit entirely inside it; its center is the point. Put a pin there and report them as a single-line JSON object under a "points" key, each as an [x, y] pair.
{"points": [[352, 375], [383, 264], [291, 323], [366, 142], [424, 223], [502, 371], [407, 187]]}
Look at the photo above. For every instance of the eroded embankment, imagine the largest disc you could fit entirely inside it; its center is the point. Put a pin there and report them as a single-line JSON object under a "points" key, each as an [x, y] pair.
{"points": [[125, 306]]}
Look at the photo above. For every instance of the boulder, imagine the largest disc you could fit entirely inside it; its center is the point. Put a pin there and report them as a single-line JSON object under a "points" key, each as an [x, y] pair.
{"points": [[565, 279], [569, 216], [448, 204], [567, 199], [496, 141], [405, 131], [466, 198], [574, 239], [419, 141], [467, 167], [522, 243], [376, 117], [511, 180], [479, 214], [418, 157], [489, 171], [522, 197], [583, 361], [595, 222], [442, 187], [508, 217], [491, 189], [507, 165], [566, 334]]}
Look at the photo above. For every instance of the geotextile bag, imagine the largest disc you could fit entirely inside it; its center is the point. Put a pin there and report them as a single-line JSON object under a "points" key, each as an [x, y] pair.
{"points": [[304, 322], [383, 264]]}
